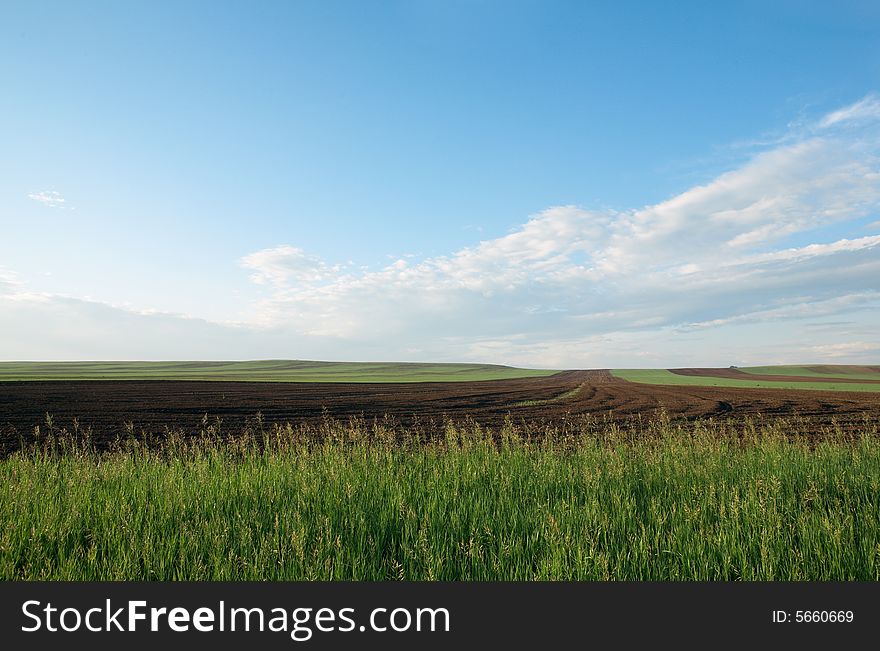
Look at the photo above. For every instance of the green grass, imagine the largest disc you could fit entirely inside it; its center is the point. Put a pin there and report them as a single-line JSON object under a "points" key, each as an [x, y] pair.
{"points": [[662, 376], [835, 371], [571, 393], [660, 503], [263, 371]]}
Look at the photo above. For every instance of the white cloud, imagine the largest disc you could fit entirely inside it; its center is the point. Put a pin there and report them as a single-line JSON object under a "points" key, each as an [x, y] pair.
{"points": [[799, 308], [848, 349], [732, 271], [867, 108], [49, 198], [48, 327], [711, 256], [286, 264], [9, 283]]}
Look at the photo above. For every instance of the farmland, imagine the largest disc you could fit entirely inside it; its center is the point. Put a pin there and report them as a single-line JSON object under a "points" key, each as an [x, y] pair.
{"points": [[109, 409], [790, 378], [818, 371], [561, 475], [263, 371]]}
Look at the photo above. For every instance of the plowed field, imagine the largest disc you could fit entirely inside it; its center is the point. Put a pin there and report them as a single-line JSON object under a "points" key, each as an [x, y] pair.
{"points": [[151, 406]]}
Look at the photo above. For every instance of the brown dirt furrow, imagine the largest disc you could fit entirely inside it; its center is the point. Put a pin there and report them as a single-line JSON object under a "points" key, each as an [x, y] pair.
{"points": [[152, 406]]}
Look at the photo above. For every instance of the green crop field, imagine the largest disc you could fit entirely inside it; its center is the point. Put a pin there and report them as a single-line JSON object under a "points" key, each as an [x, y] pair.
{"points": [[662, 376], [264, 371], [835, 371], [354, 502]]}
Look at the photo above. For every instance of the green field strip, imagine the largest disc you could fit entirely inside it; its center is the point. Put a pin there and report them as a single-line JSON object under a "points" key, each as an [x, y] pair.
{"points": [[665, 377], [264, 371], [839, 371]]}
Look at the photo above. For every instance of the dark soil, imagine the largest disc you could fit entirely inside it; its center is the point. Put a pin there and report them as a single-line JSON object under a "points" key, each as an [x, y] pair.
{"points": [[111, 408]]}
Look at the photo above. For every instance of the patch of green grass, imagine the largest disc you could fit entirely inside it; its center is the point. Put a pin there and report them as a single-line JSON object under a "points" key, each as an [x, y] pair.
{"points": [[662, 376], [659, 504], [837, 370], [264, 371], [562, 397]]}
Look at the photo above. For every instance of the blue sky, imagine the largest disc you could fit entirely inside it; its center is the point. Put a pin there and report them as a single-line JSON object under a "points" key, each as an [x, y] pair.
{"points": [[537, 183]]}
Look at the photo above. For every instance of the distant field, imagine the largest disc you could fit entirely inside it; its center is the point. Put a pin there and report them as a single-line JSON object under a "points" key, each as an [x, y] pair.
{"points": [[817, 371], [665, 377], [264, 371]]}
